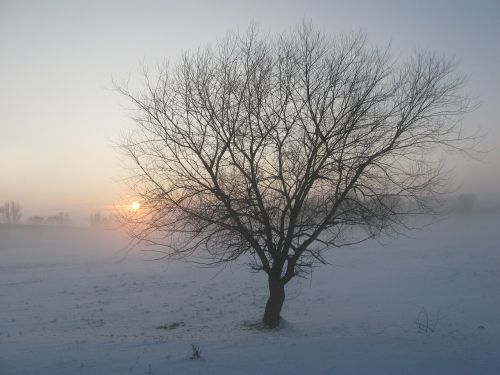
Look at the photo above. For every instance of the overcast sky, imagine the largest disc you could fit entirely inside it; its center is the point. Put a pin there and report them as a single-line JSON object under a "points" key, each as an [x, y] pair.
{"points": [[59, 117]]}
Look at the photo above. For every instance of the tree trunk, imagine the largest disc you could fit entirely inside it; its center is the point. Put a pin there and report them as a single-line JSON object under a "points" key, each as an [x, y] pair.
{"points": [[274, 303]]}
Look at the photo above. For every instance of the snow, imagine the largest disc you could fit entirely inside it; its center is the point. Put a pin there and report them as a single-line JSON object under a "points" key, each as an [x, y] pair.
{"points": [[73, 302]]}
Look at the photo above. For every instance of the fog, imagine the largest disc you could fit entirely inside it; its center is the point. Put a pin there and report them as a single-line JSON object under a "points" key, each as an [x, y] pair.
{"points": [[79, 296], [60, 117], [75, 301]]}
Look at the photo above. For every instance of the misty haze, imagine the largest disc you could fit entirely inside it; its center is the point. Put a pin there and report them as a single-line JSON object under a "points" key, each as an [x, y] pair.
{"points": [[249, 188]]}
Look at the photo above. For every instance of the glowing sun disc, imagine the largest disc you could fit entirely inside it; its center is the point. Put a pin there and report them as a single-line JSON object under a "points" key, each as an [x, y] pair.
{"points": [[135, 206]]}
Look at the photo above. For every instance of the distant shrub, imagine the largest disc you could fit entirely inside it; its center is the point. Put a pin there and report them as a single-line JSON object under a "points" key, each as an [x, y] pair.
{"points": [[195, 352], [466, 202], [59, 220], [35, 220]]}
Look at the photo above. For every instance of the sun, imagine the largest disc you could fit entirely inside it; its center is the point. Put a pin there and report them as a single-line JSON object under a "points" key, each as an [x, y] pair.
{"points": [[134, 206]]}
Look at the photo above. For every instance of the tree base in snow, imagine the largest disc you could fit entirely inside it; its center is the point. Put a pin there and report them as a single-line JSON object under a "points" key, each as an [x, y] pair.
{"points": [[260, 326]]}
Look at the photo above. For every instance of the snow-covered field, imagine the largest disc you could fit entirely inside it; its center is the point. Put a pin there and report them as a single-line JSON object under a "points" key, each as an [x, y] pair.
{"points": [[72, 303]]}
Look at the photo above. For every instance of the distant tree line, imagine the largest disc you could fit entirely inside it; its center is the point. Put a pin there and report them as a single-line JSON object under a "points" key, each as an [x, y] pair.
{"points": [[11, 213], [61, 219]]}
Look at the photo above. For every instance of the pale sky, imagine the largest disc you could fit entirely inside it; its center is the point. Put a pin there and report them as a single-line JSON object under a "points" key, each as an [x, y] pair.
{"points": [[59, 116]]}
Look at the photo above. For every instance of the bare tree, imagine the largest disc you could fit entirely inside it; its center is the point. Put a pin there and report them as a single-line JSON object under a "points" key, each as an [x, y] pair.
{"points": [[278, 148], [12, 212]]}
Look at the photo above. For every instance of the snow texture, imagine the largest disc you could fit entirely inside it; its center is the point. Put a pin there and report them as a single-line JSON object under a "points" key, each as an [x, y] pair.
{"points": [[72, 302]]}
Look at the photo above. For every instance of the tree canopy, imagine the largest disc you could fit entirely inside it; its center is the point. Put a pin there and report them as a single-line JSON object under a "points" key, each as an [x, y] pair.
{"points": [[278, 148]]}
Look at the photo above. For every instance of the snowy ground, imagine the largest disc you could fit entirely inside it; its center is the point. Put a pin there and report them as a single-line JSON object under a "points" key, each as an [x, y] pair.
{"points": [[72, 303]]}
